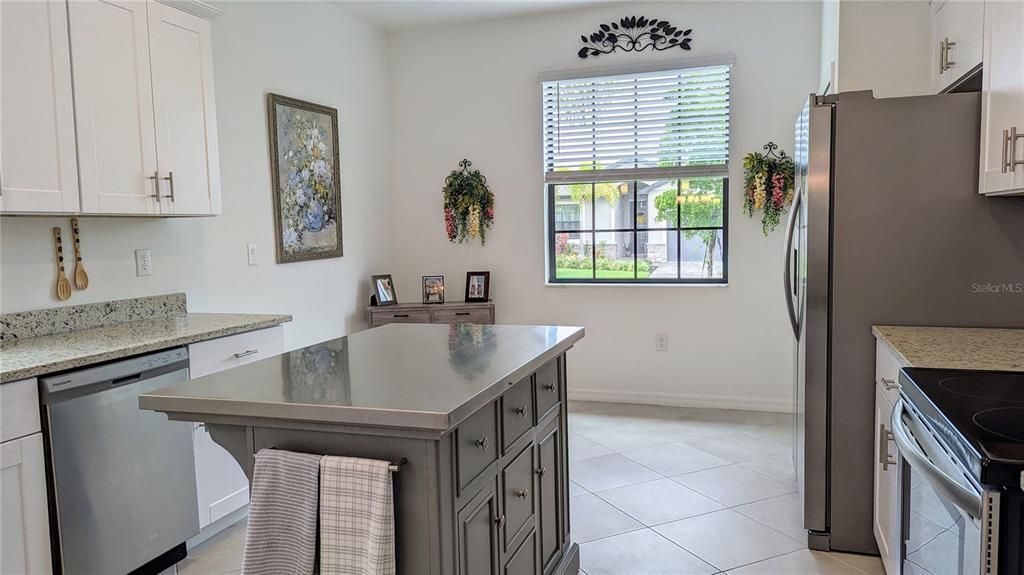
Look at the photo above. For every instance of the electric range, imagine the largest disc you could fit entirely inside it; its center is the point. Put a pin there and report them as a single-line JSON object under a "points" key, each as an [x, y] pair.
{"points": [[960, 436]]}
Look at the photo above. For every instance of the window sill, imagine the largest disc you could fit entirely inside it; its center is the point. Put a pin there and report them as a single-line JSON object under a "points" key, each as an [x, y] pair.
{"points": [[634, 285]]}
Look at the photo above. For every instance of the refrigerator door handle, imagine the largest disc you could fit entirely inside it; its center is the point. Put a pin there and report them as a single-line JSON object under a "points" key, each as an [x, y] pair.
{"points": [[787, 275]]}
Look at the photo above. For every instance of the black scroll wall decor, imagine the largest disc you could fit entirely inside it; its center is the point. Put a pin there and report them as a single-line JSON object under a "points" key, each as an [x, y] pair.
{"points": [[634, 34]]}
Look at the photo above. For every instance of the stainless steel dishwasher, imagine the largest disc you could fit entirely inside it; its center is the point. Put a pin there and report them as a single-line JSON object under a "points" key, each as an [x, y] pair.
{"points": [[123, 479]]}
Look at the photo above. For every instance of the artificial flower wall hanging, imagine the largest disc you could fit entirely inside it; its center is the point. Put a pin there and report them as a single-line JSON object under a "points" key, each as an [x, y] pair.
{"points": [[767, 185], [468, 205]]}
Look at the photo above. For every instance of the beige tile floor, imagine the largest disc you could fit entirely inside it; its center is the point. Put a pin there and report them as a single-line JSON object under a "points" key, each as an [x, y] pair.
{"points": [[662, 490]]}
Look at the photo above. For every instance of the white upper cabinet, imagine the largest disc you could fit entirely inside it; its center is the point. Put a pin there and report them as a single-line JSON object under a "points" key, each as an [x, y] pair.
{"points": [[142, 118], [956, 40], [186, 126], [38, 172], [1002, 101], [114, 106]]}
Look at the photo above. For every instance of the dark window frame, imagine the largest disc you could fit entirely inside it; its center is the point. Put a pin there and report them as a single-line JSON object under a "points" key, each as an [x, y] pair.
{"points": [[552, 232]]}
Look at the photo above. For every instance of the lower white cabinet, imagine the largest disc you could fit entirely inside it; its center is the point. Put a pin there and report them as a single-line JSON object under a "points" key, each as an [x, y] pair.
{"points": [[221, 487], [24, 521], [887, 503]]}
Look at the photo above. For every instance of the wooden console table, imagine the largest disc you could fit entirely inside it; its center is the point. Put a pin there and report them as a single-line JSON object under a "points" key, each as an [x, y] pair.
{"points": [[450, 312]]}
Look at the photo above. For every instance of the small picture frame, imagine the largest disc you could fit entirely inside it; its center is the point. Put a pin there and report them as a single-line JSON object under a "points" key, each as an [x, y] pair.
{"points": [[433, 289], [478, 286], [384, 289]]}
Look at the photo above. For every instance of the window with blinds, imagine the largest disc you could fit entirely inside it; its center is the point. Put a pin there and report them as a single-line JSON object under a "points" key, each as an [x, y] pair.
{"points": [[676, 120], [636, 171]]}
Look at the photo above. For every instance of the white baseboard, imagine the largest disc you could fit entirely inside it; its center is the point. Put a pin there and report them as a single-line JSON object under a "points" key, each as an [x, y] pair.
{"points": [[676, 399]]}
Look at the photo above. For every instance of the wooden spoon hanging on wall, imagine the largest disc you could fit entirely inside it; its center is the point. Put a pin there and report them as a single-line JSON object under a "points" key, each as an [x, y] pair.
{"points": [[81, 278], [63, 286]]}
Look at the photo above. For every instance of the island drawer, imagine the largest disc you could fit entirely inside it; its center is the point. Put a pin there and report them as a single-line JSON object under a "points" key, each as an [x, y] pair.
{"points": [[214, 355], [516, 412], [476, 444], [517, 495], [467, 315], [547, 388]]}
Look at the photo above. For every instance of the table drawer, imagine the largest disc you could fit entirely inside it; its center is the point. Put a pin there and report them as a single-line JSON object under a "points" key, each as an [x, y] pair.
{"points": [[516, 412], [211, 356], [517, 495], [547, 388], [473, 315], [887, 371], [19, 409], [476, 444], [384, 318]]}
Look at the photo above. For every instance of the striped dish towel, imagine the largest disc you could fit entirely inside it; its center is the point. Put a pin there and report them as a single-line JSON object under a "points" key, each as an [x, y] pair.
{"points": [[281, 537], [357, 519]]}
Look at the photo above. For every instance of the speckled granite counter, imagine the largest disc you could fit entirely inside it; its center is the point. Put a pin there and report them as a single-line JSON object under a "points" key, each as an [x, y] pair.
{"points": [[955, 347], [47, 341]]}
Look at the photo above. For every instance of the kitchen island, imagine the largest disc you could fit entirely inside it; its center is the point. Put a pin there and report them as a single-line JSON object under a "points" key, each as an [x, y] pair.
{"points": [[474, 416]]}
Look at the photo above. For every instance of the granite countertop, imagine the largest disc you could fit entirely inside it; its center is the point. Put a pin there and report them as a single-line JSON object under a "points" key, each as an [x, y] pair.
{"points": [[25, 357], [422, 377], [955, 347]]}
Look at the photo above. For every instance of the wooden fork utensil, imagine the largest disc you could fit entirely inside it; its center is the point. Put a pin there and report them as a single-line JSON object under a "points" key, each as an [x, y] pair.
{"points": [[81, 278], [63, 286]]}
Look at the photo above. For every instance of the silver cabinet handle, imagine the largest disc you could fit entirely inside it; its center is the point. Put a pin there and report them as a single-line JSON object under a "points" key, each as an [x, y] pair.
{"points": [[245, 353], [890, 384], [942, 56], [549, 387], [156, 186], [170, 183], [500, 521], [523, 493], [542, 470], [521, 411], [884, 437], [1005, 165], [482, 444], [1012, 162], [949, 63]]}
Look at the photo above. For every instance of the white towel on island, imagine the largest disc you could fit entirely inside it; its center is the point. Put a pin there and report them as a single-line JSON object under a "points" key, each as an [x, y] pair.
{"points": [[281, 537], [357, 519]]}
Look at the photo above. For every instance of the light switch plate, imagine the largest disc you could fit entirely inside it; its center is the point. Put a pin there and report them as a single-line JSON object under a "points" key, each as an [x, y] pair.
{"points": [[251, 251], [143, 263]]}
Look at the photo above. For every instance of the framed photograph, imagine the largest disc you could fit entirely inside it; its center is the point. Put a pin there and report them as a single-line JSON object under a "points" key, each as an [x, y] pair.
{"points": [[433, 289], [478, 286], [305, 179], [384, 289]]}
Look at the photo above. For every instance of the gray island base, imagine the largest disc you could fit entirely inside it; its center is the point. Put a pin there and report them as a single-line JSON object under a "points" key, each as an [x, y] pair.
{"points": [[474, 415]]}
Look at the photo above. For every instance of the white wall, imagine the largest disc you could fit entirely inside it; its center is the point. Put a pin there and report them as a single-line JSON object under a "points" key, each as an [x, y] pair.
{"points": [[472, 91], [828, 76], [883, 46], [308, 50]]}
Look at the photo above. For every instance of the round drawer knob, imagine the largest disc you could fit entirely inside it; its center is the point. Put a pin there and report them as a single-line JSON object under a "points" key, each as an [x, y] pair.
{"points": [[549, 386], [523, 493], [482, 443], [500, 521], [521, 411], [542, 470]]}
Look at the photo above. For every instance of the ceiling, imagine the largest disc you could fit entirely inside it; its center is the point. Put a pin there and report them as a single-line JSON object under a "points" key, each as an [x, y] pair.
{"points": [[404, 14]]}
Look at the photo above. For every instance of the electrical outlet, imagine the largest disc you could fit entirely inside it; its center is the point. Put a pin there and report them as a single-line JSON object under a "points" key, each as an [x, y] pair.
{"points": [[661, 342], [251, 250], [143, 263]]}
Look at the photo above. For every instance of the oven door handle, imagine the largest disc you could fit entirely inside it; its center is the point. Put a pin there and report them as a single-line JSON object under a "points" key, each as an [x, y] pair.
{"points": [[967, 500]]}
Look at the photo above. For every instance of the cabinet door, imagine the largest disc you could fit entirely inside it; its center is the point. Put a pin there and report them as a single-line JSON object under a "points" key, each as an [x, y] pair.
{"points": [[886, 497], [221, 486], [38, 169], [478, 544], [1002, 98], [24, 523], [960, 23], [186, 126], [549, 489], [114, 106]]}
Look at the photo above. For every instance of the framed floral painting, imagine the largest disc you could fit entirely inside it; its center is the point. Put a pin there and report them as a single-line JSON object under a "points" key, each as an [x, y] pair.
{"points": [[306, 179]]}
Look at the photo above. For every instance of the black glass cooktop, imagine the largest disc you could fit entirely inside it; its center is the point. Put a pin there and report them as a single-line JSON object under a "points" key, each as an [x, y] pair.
{"points": [[979, 415]]}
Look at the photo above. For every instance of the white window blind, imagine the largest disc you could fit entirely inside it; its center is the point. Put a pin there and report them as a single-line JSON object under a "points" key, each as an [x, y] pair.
{"points": [[655, 124]]}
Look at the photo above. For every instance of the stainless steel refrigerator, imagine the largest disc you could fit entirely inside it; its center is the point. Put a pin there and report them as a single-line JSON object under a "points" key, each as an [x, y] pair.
{"points": [[887, 227]]}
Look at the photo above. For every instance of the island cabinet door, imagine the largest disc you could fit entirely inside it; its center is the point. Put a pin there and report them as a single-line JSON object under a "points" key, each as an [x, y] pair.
{"points": [[479, 523], [524, 560], [549, 495]]}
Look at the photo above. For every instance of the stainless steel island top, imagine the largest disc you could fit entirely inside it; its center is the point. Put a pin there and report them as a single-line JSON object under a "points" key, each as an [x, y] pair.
{"points": [[416, 377]]}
